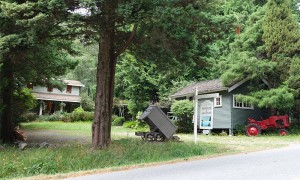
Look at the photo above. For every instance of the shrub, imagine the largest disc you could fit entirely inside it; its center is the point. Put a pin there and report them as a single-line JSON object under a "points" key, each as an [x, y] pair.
{"points": [[129, 124], [76, 115], [117, 121], [141, 126], [57, 116], [80, 115], [239, 130], [79, 110], [134, 107], [23, 101], [184, 111], [28, 117]]}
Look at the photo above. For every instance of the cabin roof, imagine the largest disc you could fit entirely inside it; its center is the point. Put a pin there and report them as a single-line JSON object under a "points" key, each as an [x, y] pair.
{"points": [[73, 83], [202, 86]]}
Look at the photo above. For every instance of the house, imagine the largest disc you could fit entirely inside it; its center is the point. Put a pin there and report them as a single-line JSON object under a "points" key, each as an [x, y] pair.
{"points": [[52, 99], [216, 106]]}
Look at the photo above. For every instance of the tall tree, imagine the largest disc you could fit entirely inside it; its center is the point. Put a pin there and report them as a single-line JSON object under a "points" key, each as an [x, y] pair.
{"points": [[269, 50], [160, 31], [30, 50]]}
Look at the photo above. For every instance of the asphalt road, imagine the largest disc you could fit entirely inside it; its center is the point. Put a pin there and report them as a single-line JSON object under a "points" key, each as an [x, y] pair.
{"points": [[275, 164]]}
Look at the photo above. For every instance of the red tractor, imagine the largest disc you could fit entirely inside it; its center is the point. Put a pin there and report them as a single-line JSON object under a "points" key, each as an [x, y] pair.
{"points": [[254, 127]]}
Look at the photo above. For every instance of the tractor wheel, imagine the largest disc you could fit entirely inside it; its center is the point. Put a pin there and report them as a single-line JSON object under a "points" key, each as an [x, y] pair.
{"points": [[149, 136], [283, 132], [253, 130]]}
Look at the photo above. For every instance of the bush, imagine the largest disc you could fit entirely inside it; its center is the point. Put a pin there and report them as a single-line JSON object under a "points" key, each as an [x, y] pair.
{"points": [[80, 115], [57, 116], [117, 121], [23, 101], [28, 117], [77, 115], [239, 130], [129, 124], [184, 111]]}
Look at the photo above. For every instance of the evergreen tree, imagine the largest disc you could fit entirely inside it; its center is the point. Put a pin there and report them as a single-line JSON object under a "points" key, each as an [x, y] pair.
{"points": [[158, 31], [269, 50], [30, 50]]}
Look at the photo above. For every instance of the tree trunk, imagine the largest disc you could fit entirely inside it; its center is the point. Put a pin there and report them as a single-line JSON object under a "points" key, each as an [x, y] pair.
{"points": [[101, 128], [7, 121]]}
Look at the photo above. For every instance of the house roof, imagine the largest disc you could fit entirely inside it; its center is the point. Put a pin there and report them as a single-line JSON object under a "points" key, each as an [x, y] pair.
{"points": [[57, 97], [203, 87], [73, 83]]}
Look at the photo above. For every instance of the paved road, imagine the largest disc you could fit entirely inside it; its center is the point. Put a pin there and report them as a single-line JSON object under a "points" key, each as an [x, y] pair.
{"points": [[276, 164]]}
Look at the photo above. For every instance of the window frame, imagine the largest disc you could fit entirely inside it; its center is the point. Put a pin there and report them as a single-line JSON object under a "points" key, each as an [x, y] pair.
{"points": [[49, 89], [30, 86], [215, 101], [243, 105], [69, 89]]}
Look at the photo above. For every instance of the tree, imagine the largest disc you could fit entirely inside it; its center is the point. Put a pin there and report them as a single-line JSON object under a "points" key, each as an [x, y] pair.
{"points": [[159, 30], [268, 50], [30, 50]]}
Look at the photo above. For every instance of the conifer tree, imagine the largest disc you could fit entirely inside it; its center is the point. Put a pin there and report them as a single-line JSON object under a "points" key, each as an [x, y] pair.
{"points": [[29, 50], [269, 50]]}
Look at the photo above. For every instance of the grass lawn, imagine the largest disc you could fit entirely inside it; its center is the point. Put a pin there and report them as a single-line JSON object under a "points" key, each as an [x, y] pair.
{"points": [[70, 149]]}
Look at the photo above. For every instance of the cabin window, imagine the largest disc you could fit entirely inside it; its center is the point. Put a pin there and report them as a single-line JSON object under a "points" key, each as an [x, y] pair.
{"points": [[69, 89], [50, 89], [241, 104], [30, 86], [218, 101]]}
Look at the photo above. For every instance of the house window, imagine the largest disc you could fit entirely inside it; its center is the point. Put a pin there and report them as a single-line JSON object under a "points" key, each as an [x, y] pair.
{"points": [[50, 89], [69, 89], [30, 86], [242, 105], [218, 101]]}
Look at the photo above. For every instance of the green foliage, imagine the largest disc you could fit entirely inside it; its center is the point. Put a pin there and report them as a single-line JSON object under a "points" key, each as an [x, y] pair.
{"points": [[23, 102], [135, 106], [183, 108], [87, 102], [77, 115], [78, 110], [79, 157], [137, 125], [268, 49], [80, 115], [184, 111], [27, 117], [239, 130], [117, 121], [280, 31], [130, 124], [56, 116]]}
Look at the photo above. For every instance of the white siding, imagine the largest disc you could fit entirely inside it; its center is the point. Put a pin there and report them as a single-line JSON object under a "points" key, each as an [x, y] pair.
{"points": [[75, 90]]}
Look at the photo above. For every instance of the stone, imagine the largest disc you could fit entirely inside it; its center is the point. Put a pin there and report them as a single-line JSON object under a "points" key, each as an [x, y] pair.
{"points": [[20, 135], [1, 147], [44, 145], [23, 146]]}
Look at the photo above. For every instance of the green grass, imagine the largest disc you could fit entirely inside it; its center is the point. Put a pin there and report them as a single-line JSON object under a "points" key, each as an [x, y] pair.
{"points": [[35, 161], [84, 127], [126, 149]]}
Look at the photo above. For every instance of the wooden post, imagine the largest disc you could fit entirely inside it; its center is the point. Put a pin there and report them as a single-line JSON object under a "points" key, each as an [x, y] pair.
{"points": [[195, 116], [41, 109]]}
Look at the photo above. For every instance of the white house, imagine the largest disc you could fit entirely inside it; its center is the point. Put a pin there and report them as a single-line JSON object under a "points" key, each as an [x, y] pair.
{"points": [[52, 99]]}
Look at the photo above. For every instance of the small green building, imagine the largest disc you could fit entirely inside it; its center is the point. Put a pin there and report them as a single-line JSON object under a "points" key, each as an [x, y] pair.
{"points": [[216, 106]]}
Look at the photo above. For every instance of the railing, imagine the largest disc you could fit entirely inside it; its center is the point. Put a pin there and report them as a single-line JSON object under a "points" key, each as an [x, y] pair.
{"points": [[171, 116]]}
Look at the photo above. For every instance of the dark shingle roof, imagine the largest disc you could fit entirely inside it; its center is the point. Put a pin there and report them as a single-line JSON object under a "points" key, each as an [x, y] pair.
{"points": [[203, 87]]}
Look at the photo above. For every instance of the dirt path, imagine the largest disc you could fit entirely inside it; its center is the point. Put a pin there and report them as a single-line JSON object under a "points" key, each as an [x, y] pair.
{"points": [[58, 137]]}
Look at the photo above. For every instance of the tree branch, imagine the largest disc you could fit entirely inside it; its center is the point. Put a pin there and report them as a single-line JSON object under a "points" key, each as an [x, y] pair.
{"points": [[128, 42]]}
